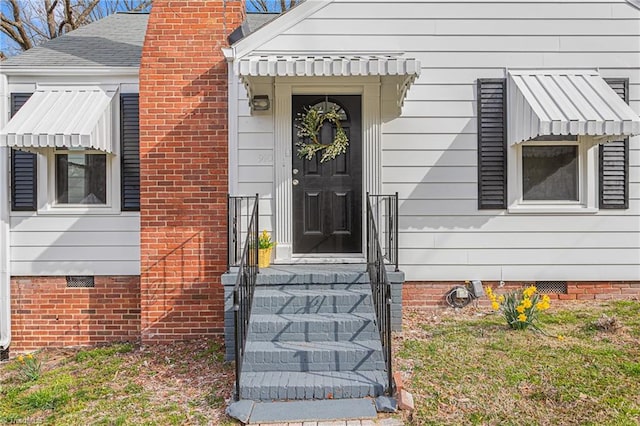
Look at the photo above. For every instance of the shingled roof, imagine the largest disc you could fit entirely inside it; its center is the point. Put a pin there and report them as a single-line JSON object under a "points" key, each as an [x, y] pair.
{"points": [[115, 41]]}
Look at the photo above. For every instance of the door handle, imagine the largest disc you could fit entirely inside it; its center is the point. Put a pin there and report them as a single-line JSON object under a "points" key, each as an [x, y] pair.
{"points": [[295, 171], [295, 182]]}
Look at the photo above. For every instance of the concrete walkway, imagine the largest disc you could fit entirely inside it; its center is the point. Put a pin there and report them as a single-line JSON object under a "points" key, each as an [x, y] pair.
{"points": [[381, 422]]}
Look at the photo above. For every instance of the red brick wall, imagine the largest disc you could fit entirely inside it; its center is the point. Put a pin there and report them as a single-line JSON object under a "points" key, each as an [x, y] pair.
{"points": [[46, 313], [183, 154], [417, 294]]}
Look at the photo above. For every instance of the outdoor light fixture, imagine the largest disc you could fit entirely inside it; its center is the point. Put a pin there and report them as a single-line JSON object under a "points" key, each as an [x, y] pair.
{"points": [[260, 103]]}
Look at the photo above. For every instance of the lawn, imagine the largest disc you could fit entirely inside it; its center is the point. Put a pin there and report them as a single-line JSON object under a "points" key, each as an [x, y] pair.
{"points": [[468, 367], [122, 384], [463, 367]]}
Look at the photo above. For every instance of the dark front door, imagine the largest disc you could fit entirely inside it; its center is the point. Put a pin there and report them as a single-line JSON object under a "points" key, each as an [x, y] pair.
{"points": [[327, 197]]}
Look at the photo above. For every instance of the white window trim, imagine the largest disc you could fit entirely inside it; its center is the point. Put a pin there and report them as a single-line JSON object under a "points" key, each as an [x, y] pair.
{"points": [[47, 187], [587, 181]]}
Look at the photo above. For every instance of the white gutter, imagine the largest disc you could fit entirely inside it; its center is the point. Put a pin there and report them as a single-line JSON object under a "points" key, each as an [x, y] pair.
{"points": [[5, 273], [67, 71]]}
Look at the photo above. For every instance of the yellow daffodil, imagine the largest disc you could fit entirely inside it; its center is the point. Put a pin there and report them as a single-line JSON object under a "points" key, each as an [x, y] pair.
{"points": [[501, 298], [560, 337], [520, 309], [526, 303], [20, 358], [29, 356], [542, 306], [530, 291], [495, 306], [489, 291], [546, 298], [522, 317]]}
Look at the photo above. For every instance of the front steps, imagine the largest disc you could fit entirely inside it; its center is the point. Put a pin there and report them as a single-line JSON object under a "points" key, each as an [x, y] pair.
{"points": [[312, 335]]}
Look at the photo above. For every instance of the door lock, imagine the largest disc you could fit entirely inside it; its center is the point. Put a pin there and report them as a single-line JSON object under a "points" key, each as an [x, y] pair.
{"points": [[295, 171]]}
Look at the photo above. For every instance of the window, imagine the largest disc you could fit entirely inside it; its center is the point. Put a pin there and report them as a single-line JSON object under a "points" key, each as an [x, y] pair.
{"points": [[78, 181], [553, 175], [578, 176], [327, 105], [60, 180], [550, 172], [80, 178]]}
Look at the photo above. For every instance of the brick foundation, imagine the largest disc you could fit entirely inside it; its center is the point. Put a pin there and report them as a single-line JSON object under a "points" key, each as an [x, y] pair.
{"points": [[45, 312], [183, 167], [423, 294]]}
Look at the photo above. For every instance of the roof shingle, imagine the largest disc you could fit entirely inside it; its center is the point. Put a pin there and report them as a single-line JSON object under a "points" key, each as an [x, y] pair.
{"points": [[115, 41]]}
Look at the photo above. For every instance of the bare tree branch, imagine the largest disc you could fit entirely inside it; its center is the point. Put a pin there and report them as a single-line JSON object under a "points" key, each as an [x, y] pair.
{"points": [[86, 12], [51, 21], [272, 6], [23, 39]]}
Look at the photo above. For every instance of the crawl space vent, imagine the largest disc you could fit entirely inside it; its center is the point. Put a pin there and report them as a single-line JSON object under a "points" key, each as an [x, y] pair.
{"points": [[80, 282], [551, 287]]}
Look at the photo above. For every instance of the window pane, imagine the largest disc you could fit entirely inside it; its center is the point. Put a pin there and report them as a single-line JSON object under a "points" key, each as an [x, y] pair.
{"points": [[550, 172], [81, 178]]}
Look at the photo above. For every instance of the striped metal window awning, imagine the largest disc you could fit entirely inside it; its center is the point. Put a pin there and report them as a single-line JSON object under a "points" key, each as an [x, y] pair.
{"points": [[558, 103], [63, 117]]}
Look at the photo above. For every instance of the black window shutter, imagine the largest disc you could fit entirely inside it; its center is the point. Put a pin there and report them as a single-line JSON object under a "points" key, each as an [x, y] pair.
{"points": [[492, 143], [614, 161], [130, 152], [24, 175]]}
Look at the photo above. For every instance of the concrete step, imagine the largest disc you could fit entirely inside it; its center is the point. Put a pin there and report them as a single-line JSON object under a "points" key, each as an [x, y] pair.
{"points": [[267, 386], [295, 300], [313, 274], [320, 327], [313, 356]]}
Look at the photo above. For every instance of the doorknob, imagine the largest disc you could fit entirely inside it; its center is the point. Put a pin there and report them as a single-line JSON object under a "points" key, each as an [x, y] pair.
{"points": [[295, 182], [295, 171]]}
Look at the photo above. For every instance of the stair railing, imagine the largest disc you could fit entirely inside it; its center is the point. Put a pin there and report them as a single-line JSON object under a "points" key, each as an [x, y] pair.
{"points": [[385, 214], [247, 271], [239, 210], [383, 206]]}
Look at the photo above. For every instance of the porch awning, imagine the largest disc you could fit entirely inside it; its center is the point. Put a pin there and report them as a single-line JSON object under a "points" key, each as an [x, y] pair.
{"points": [[567, 103], [398, 70], [327, 66], [63, 117]]}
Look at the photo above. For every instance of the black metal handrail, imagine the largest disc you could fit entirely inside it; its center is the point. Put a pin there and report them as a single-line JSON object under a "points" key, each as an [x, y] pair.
{"points": [[385, 213], [245, 281], [380, 285], [239, 210]]}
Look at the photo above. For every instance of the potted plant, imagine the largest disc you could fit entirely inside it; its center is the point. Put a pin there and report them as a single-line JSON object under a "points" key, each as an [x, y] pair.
{"points": [[265, 245]]}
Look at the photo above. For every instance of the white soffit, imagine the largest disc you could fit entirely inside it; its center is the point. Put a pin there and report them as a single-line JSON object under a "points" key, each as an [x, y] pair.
{"points": [[405, 68], [566, 103], [63, 117]]}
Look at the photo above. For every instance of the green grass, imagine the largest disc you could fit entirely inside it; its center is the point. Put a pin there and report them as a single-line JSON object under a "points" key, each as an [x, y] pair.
{"points": [[475, 370], [121, 385]]}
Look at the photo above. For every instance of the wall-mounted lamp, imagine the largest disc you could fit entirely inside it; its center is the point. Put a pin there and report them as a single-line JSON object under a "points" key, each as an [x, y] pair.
{"points": [[260, 103]]}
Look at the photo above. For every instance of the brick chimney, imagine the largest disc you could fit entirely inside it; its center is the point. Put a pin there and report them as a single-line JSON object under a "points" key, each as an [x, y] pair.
{"points": [[183, 164]]}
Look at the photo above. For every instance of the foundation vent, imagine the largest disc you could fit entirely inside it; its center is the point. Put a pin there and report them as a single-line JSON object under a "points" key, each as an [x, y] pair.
{"points": [[80, 281], [551, 287]]}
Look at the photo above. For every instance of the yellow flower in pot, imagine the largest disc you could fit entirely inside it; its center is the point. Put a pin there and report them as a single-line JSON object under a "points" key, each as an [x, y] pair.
{"points": [[265, 245]]}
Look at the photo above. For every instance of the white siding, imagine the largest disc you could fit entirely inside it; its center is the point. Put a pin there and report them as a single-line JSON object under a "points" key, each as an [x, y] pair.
{"points": [[255, 155], [75, 245], [429, 153]]}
